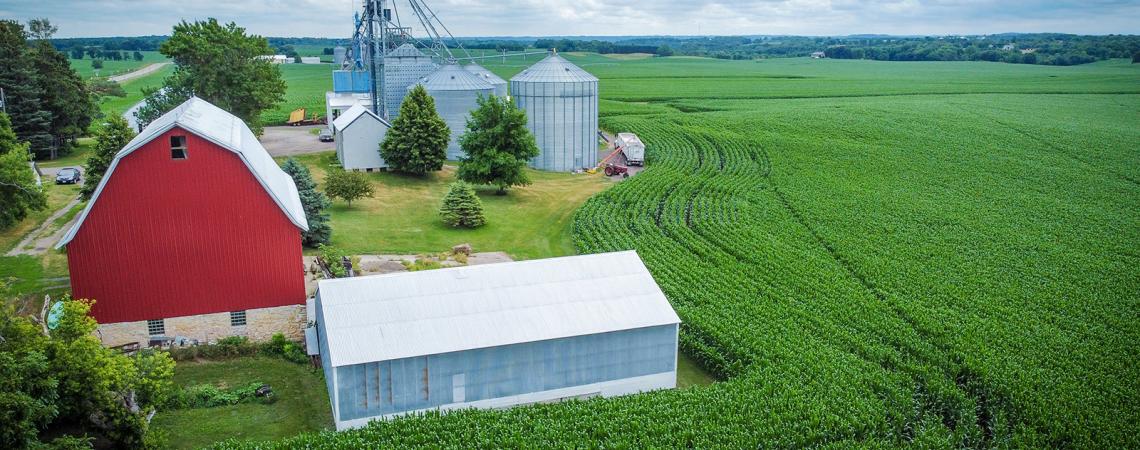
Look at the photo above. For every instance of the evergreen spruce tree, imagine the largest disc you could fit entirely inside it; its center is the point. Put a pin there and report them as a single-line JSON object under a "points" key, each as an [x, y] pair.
{"points": [[315, 202], [64, 93], [417, 141], [498, 145], [30, 121], [112, 137], [461, 207]]}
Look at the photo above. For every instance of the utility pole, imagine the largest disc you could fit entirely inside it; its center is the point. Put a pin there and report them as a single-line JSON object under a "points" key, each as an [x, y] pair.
{"points": [[3, 102]]}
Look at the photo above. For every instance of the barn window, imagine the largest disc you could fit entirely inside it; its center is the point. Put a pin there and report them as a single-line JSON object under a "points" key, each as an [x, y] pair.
{"points": [[156, 327], [178, 147], [237, 318]]}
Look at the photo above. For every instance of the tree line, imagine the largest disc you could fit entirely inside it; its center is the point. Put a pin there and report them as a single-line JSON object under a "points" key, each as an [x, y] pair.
{"points": [[48, 103]]}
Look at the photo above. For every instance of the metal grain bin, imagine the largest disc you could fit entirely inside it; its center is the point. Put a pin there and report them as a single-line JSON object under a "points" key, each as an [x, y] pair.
{"points": [[490, 77], [339, 54], [561, 104], [455, 92], [403, 66]]}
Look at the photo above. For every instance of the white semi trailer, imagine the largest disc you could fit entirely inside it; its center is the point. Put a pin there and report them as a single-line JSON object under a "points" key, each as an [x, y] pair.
{"points": [[632, 147]]}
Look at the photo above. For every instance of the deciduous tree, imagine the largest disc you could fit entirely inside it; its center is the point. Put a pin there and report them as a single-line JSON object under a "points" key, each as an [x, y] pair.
{"points": [[18, 190], [498, 145], [348, 186], [222, 65], [417, 141]]}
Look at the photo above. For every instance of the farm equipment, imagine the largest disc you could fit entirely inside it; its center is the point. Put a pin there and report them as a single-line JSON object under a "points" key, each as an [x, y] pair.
{"points": [[610, 168], [297, 118], [614, 169]]}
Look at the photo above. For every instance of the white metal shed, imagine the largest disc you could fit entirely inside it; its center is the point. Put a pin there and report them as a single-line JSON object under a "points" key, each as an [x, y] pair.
{"points": [[495, 335], [358, 133]]}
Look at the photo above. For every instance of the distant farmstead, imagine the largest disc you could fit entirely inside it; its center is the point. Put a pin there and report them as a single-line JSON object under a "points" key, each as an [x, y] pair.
{"points": [[192, 234], [492, 336], [818, 55]]}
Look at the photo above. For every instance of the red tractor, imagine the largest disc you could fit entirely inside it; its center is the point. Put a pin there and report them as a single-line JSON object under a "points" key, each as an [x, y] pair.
{"points": [[614, 169]]}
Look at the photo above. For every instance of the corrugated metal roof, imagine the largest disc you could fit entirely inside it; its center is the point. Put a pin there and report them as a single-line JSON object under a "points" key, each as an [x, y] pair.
{"points": [[451, 77], [485, 74], [384, 317], [352, 114], [553, 68], [406, 51], [220, 127]]}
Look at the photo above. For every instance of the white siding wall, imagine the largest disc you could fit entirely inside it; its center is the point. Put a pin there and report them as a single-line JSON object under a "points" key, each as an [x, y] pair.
{"points": [[358, 145]]}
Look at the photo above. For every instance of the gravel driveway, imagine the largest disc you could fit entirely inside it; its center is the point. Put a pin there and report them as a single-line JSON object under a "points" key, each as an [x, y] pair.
{"points": [[288, 141]]}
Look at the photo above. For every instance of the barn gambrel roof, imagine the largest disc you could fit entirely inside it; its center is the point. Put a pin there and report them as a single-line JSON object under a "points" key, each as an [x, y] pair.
{"points": [[214, 124]]}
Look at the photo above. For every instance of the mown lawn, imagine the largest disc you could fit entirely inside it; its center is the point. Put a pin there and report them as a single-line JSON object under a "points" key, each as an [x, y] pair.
{"points": [[529, 222], [302, 403]]}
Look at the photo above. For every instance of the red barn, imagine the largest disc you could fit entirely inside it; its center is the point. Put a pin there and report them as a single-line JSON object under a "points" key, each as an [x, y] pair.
{"points": [[193, 233]]}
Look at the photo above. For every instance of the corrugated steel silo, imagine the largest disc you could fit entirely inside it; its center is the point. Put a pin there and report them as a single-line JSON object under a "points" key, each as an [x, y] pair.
{"points": [[561, 104], [490, 77], [455, 92], [403, 66]]}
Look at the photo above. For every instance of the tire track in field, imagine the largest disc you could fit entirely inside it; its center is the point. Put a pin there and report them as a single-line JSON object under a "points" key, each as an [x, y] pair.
{"points": [[967, 380]]}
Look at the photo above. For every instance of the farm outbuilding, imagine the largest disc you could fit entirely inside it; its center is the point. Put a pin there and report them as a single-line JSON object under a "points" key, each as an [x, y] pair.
{"points": [[194, 232], [456, 93], [492, 336], [358, 135], [561, 104], [490, 77]]}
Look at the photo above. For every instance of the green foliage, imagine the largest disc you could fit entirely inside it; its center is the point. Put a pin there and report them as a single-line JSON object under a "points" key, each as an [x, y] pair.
{"points": [[68, 376], [220, 64], [417, 141], [109, 139], [27, 385], [104, 87], [239, 346], [334, 257], [65, 95], [18, 190], [421, 263], [461, 207], [498, 145], [31, 119], [210, 396], [314, 202], [347, 185]]}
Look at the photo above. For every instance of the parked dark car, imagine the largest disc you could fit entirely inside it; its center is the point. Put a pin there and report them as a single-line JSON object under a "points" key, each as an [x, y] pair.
{"points": [[326, 135], [67, 175]]}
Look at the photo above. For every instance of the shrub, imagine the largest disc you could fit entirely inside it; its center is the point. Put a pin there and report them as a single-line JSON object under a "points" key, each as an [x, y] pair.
{"points": [[461, 207]]}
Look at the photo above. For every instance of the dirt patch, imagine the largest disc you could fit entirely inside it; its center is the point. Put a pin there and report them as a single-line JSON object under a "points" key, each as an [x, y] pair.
{"points": [[288, 141], [382, 264]]}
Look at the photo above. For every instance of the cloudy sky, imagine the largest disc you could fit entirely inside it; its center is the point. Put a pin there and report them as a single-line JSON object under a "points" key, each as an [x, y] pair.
{"points": [[332, 18]]}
